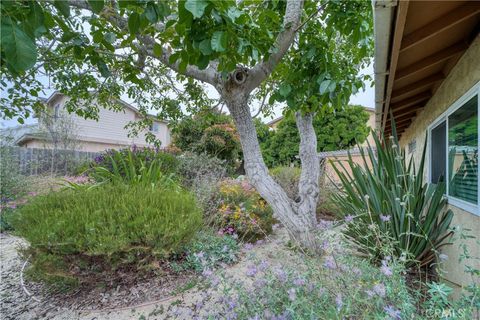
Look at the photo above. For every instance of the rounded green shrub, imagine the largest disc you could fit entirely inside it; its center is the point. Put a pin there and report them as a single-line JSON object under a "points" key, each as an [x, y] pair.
{"points": [[106, 228]]}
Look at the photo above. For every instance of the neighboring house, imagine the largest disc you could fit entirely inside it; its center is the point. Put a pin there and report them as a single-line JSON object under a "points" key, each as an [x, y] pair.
{"points": [[427, 73], [371, 123], [107, 133]]}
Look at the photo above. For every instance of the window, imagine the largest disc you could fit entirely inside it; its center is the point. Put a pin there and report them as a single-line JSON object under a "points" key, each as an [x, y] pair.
{"points": [[154, 127], [453, 151], [438, 153], [57, 112], [463, 152]]}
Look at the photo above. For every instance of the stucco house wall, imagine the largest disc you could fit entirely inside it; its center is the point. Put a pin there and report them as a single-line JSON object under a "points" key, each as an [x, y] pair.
{"points": [[464, 76]]}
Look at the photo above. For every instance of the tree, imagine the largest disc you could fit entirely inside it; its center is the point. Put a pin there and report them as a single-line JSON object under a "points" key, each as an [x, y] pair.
{"points": [[304, 53], [208, 132], [337, 130]]}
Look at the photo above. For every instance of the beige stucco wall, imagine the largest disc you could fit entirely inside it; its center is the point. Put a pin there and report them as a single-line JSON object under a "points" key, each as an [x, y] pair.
{"points": [[463, 77]]}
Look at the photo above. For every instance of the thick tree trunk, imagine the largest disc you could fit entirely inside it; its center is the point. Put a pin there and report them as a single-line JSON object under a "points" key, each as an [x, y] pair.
{"points": [[298, 217]]}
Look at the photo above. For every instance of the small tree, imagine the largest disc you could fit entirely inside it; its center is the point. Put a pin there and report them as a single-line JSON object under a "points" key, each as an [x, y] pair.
{"points": [[337, 130], [305, 53], [61, 133]]}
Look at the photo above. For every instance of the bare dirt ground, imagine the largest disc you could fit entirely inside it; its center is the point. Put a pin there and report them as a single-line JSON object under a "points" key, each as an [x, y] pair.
{"points": [[191, 298]]}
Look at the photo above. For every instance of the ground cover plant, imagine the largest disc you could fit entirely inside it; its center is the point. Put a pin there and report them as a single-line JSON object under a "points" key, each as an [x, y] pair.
{"points": [[75, 235], [393, 200]]}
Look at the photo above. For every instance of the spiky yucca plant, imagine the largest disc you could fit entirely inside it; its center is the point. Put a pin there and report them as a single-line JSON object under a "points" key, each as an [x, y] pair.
{"points": [[389, 201]]}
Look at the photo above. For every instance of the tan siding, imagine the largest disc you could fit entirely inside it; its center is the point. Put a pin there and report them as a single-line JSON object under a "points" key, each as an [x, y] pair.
{"points": [[110, 128]]}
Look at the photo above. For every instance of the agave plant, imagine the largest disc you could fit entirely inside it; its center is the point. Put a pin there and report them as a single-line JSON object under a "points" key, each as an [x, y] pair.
{"points": [[390, 202]]}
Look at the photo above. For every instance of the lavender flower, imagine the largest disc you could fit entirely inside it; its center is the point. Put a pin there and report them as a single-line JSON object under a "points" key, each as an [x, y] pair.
{"points": [[251, 271], [248, 246], [299, 282], [292, 296], [392, 312], [281, 275], [325, 245], [349, 218], [384, 218], [379, 289], [263, 265], [385, 269], [339, 302], [207, 273], [329, 263]]}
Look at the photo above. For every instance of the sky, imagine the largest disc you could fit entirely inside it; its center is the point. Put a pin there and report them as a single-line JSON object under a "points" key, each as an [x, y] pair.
{"points": [[364, 98]]}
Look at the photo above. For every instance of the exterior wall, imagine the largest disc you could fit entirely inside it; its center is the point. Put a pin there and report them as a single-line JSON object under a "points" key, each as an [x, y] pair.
{"points": [[463, 76], [331, 175], [110, 130]]}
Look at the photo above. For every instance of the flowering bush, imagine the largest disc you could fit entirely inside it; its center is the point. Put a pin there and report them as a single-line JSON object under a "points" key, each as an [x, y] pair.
{"points": [[243, 211]]}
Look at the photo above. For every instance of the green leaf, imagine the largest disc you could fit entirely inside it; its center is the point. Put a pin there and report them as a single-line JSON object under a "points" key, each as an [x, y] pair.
{"points": [[196, 7], [285, 89], [324, 86], [219, 41], [134, 23], [157, 49], [36, 20], [205, 47], [110, 37], [63, 7], [96, 5], [152, 12], [233, 13], [202, 62], [103, 69], [20, 50]]}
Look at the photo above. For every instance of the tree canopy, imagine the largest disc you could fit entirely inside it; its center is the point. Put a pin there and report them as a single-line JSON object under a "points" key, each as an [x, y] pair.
{"points": [[335, 131], [155, 52]]}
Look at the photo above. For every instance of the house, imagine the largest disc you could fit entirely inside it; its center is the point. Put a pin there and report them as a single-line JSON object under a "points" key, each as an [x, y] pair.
{"points": [[427, 78], [107, 133]]}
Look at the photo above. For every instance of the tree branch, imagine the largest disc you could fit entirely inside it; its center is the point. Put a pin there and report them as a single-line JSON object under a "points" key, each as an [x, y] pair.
{"points": [[208, 75], [291, 20]]}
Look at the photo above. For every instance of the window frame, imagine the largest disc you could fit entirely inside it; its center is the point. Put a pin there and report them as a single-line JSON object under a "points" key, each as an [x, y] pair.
{"points": [[462, 204]]}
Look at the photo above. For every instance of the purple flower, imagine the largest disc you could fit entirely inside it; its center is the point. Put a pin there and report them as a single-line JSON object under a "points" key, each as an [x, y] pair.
{"points": [[251, 271], [349, 218], [392, 312], [384, 218], [263, 265], [357, 271], [379, 289], [370, 293], [292, 296], [281, 275], [339, 302], [256, 317], [299, 282], [385, 269], [248, 246], [329, 263], [260, 242], [324, 224], [325, 245], [207, 273]]}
